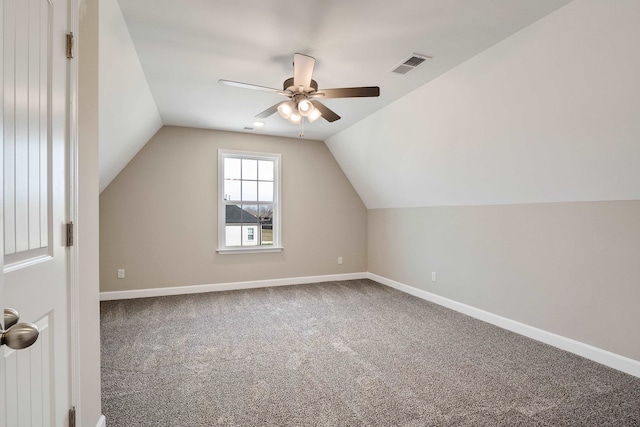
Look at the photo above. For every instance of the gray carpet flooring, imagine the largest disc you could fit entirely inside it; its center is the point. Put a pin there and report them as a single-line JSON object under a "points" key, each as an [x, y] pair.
{"points": [[352, 353]]}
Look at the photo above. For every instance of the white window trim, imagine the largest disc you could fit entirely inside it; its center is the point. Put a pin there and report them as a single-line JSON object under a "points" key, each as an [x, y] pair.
{"points": [[277, 204]]}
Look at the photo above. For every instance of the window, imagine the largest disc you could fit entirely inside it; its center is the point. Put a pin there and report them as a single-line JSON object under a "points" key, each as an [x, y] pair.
{"points": [[248, 202]]}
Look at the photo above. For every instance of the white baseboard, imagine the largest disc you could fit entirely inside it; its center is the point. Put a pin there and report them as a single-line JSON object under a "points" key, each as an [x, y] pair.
{"points": [[102, 421], [216, 287], [587, 351]]}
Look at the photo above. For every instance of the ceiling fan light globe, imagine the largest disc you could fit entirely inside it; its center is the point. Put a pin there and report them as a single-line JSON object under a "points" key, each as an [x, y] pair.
{"points": [[295, 118], [305, 107], [314, 115], [286, 108]]}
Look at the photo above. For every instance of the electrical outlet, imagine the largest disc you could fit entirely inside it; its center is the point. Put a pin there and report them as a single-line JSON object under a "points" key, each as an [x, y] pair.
{"points": [[433, 276], [121, 273], [340, 260]]}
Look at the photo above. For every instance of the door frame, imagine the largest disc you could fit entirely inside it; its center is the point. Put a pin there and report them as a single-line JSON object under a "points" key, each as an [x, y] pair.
{"points": [[73, 283]]}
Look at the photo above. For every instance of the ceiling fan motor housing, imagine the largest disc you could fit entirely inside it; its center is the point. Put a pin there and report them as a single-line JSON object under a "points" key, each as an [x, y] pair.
{"points": [[288, 85]]}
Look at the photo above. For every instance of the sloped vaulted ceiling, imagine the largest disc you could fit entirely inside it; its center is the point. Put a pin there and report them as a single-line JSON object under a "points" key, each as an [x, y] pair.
{"points": [[161, 59], [129, 116], [547, 115]]}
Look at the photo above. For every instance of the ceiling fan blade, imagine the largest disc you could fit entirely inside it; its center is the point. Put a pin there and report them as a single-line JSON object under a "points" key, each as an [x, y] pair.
{"points": [[250, 86], [327, 114], [349, 92], [303, 70], [269, 111]]}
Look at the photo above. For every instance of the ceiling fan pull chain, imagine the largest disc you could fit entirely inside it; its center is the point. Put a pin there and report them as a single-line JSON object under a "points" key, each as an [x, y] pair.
{"points": [[302, 127]]}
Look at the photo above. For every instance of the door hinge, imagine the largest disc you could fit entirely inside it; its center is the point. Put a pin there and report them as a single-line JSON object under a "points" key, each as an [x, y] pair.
{"points": [[69, 45], [72, 417], [70, 234]]}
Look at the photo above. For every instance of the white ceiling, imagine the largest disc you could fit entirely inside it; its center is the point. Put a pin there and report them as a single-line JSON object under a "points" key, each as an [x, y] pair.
{"points": [[185, 46]]}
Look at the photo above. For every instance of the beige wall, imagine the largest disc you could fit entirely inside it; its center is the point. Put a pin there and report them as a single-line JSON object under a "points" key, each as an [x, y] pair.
{"points": [[158, 218], [87, 223], [568, 268]]}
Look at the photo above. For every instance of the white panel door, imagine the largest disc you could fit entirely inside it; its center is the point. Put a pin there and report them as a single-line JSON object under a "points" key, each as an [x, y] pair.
{"points": [[35, 382]]}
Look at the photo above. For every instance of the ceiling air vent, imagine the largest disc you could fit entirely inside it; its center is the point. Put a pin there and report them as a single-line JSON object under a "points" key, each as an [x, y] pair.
{"points": [[412, 62]]}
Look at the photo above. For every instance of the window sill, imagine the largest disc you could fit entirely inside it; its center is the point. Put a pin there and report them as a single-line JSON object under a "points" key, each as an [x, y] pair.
{"points": [[229, 251]]}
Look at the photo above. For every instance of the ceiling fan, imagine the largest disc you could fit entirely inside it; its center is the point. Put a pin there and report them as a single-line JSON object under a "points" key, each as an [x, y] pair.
{"points": [[303, 94]]}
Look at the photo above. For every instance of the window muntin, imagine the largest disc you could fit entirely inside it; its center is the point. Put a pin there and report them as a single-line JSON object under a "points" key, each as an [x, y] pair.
{"points": [[249, 208]]}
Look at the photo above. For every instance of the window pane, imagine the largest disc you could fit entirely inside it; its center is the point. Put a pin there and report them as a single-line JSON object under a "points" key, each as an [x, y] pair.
{"points": [[231, 168], [265, 191], [232, 235], [248, 235], [231, 190], [265, 170], [249, 169], [250, 214], [250, 190], [233, 215], [265, 213], [233, 228], [267, 236]]}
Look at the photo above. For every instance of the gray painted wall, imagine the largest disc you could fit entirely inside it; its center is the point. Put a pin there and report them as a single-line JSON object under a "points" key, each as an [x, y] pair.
{"points": [[158, 218], [568, 268]]}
